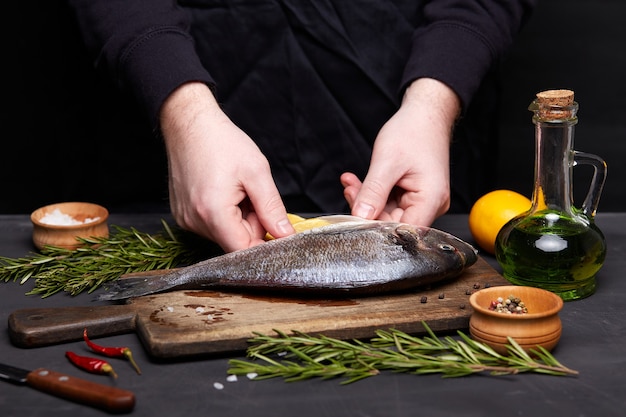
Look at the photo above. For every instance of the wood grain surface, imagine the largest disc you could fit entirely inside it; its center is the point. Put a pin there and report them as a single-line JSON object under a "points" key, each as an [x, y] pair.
{"points": [[182, 324]]}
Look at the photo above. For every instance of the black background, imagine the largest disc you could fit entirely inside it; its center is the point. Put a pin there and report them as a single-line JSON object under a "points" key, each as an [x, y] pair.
{"points": [[67, 135]]}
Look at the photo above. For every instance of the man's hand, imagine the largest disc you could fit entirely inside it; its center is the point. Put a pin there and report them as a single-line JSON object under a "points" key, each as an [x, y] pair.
{"points": [[220, 183], [409, 175]]}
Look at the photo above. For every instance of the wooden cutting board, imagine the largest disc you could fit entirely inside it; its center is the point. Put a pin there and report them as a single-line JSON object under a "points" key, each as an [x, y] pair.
{"points": [[190, 323]]}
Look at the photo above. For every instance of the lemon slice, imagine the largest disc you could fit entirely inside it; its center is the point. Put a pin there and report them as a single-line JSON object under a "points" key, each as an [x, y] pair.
{"points": [[300, 224]]}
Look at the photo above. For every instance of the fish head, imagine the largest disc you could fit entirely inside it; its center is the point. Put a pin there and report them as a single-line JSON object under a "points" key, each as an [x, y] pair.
{"points": [[435, 246]]}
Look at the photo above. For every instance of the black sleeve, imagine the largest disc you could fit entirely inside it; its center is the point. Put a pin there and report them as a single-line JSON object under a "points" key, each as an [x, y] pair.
{"points": [[143, 45], [461, 40]]}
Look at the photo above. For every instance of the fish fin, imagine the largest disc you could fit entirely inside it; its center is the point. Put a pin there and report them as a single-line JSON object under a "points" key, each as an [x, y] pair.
{"points": [[342, 218], [343, 224]]}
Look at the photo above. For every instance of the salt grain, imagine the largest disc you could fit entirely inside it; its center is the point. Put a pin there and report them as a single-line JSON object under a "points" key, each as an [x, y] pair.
{"points": [[58, 218], [218, 385], [231, 378], [252, 375], [170, 309], [199, 310]]}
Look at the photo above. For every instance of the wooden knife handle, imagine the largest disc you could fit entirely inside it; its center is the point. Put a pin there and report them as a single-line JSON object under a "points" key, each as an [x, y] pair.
{"points": [[34, 327], [111, 399]]}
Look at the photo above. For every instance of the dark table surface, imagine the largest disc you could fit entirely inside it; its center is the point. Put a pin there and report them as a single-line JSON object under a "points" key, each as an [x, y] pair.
{"points": [[593, 342]]}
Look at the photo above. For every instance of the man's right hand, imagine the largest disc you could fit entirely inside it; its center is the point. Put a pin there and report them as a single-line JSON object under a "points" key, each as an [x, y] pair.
{"points": [[220, 184]]}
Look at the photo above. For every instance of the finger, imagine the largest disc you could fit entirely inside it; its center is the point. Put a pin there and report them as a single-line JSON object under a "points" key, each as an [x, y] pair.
{"points": [[227, 228], [351, 186], [420, 214], [374, 193], [268, 206], [420, 210], [251, 220]]}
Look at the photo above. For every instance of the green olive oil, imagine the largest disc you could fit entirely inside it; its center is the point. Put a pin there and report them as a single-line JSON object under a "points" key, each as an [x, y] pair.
{"points": [[555, 245], [553, 252]]}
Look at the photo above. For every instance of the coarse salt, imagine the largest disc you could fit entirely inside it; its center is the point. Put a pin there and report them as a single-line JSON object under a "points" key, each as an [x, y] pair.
{"points": [[231, 378], [218, 385], [58, 218], [252, 375]]}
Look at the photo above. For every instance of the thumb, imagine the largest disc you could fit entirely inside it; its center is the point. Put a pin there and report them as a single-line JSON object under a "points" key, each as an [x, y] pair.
{"points": [[373, 195], [270, 209]]}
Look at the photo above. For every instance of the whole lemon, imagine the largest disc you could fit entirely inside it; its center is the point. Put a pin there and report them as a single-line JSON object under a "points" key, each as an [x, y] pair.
{"points": [[492, 211]]}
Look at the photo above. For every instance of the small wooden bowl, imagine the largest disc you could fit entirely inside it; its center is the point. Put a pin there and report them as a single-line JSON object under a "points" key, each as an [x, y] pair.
{"points": [[92, 220], [541, 326]]}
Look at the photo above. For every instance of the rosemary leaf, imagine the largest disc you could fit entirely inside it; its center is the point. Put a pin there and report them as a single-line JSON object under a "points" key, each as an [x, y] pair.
{"points": [[298, 356], [102, 260]]}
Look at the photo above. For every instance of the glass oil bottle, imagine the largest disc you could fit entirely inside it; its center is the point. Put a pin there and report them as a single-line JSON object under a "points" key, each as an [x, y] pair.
{"points": [[556, 246]]}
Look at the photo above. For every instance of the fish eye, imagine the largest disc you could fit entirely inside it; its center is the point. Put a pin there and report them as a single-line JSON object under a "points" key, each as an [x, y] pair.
{"points": [[446, 247]]}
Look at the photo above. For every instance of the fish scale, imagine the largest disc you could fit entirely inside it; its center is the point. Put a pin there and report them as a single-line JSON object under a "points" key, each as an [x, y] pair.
{"points": [[349, 256]]}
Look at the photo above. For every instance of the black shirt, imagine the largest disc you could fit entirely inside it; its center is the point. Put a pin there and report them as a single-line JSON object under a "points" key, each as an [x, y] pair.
{"points": [[313, 81]]}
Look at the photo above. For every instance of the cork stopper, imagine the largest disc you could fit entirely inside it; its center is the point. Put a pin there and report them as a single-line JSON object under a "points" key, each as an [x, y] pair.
{"points": [[556, 104], [556, 98]]}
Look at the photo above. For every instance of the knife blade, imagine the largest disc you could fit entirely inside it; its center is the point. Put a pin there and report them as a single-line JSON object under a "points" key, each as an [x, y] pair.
{"points": [[79, 390]]}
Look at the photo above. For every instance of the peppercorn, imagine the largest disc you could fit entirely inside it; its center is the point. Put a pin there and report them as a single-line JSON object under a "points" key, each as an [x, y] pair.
{"points": [[510, 305]]}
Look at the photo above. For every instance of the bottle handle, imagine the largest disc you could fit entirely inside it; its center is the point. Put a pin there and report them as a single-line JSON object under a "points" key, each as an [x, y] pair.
{"points": [[590, 204]]}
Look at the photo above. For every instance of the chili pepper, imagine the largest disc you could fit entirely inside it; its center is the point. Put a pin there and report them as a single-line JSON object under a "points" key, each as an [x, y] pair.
{"points": [[112, 352], [94, 365]]}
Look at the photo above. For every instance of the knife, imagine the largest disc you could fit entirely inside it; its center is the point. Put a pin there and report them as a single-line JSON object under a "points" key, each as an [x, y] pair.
{"points": [[96, 395]]}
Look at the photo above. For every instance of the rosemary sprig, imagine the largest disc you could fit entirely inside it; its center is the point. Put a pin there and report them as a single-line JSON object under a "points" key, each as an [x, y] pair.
{"points": [[100, 260], [299, 356]]}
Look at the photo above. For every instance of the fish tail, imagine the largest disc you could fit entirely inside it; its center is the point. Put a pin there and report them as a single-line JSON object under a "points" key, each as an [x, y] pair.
{"points": [[136, 287]]}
